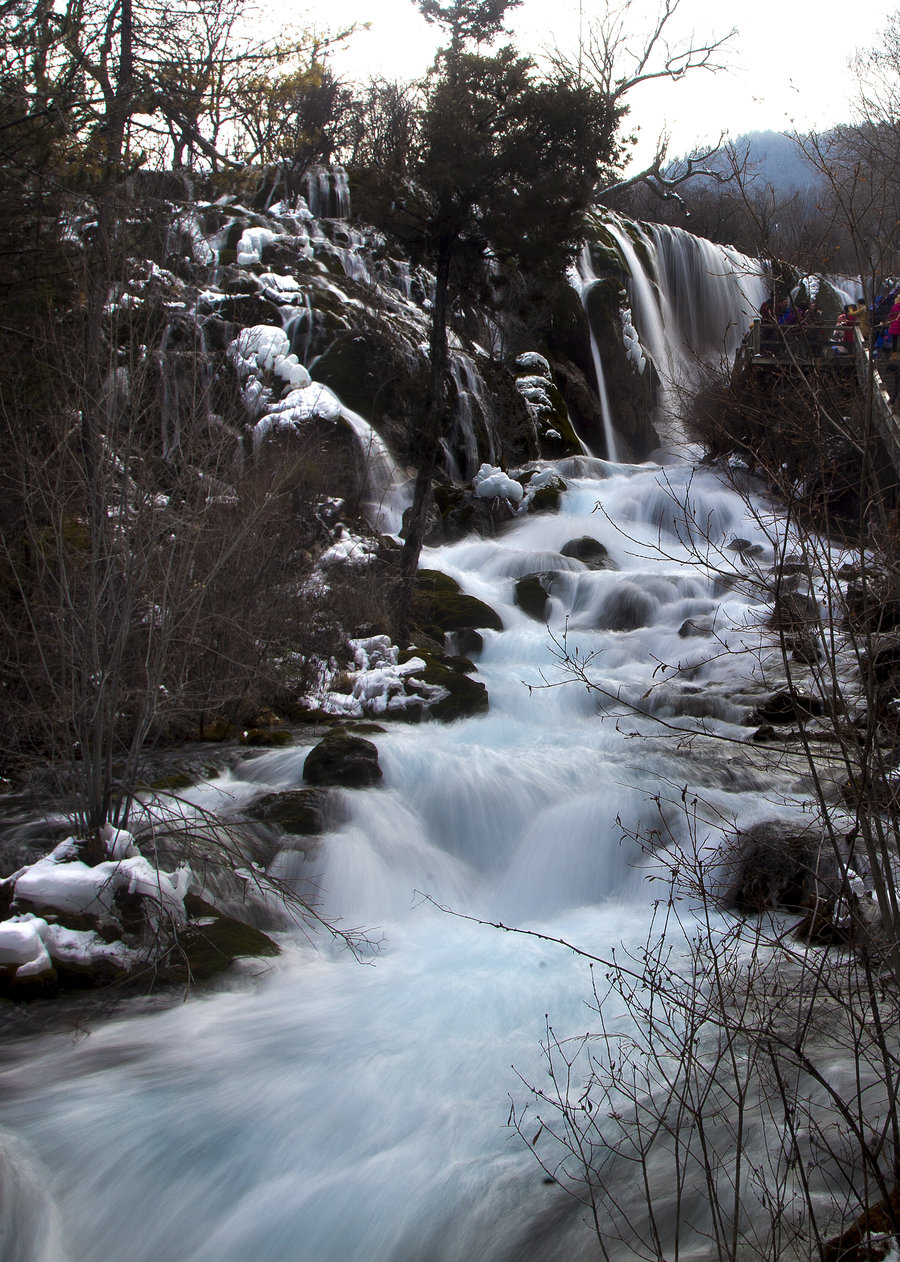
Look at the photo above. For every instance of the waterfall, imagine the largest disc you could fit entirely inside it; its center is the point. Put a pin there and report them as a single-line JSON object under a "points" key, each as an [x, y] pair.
{"points": [[186, 378], [472, 408], [692, 300], [327, 192], [330, 1110], [588, 276], [387, 492]]}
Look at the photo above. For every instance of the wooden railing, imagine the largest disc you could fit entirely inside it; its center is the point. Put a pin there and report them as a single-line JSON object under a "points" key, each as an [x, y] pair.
{"points": [[790, 343], [872, 385]]}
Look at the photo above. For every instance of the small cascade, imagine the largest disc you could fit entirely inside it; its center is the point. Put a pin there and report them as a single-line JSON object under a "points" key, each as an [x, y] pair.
{"points": [[298, 324], [387, 490], [327, 192], [472, 409], [353, 257], [588, 277], [186, 378]]}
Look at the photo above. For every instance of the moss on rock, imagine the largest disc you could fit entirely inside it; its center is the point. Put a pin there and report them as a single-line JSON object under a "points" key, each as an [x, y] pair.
{"points": [[440, 602], [267, 737], [210, 945], [465, 697], [589, 552]]}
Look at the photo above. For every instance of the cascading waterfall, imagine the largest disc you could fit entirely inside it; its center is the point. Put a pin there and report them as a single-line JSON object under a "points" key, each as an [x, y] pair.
{"points": [[338, 1111], [331, 1110], [692, 301], [472, 407]]}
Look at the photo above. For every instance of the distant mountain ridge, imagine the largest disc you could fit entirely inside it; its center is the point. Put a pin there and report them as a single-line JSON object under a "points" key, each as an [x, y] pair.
{"points": [[773, 158]]}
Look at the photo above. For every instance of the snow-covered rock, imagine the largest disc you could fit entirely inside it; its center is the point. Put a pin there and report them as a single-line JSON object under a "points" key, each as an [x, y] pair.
{"points": [[491, 482]]}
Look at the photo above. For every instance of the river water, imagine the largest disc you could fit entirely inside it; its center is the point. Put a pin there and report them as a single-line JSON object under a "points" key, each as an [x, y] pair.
{"points": [[327, 1109]]}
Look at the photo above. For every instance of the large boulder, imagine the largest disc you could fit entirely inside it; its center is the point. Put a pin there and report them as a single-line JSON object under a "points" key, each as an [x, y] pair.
{"points": [[298, 812], [344, 760]]}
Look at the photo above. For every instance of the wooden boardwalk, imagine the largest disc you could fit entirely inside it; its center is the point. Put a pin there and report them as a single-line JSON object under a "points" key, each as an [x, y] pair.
{"points": [[804, 347]]}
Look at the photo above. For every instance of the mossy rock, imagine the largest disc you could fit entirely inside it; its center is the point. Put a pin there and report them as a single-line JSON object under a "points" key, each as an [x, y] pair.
{"points": [[210, 946], [465, 697], [531, 596], [440, 602], [43, 986], [173, 782], [469, 641], [552, 448], [90, 976], [786, 706], [344, 760], [267, 737], [436, 581], [452, 661], [547, 499], [589, 552], [299, 812]]}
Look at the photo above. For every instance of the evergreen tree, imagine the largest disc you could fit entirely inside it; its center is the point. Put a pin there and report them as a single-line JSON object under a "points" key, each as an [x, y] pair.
{"points": [[467, 21], [507, 165]]}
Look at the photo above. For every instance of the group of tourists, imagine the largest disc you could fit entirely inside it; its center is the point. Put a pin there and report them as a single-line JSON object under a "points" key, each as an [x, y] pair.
{"points": [[787, 315]]}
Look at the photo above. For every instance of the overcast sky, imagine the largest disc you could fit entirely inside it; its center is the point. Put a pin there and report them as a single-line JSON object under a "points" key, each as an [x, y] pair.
{"points": [[788, 61]]}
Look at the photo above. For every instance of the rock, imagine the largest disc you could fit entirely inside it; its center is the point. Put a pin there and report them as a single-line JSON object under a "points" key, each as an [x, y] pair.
{"points": [[300, 812], [775, 865], [216, 730], [692, 627], [547, 497], [440, 602], [589, 551], [469, 641], [343, 760], [247, 310], [627, 607], [785, 706], [462, 512], [268, 737], [42, 985], [465, 697], [210, 945], [532, 596]]}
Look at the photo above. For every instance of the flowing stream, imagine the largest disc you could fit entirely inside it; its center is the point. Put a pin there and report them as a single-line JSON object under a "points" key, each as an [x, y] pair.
{"points": [[323, 1109]]}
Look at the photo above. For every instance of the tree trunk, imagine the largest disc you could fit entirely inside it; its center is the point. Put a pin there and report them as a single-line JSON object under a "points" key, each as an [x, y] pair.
{"points": [[431, 434]]}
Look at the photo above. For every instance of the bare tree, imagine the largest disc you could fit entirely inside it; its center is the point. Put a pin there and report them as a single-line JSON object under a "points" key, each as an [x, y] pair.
{"points": [[614, 61]]}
